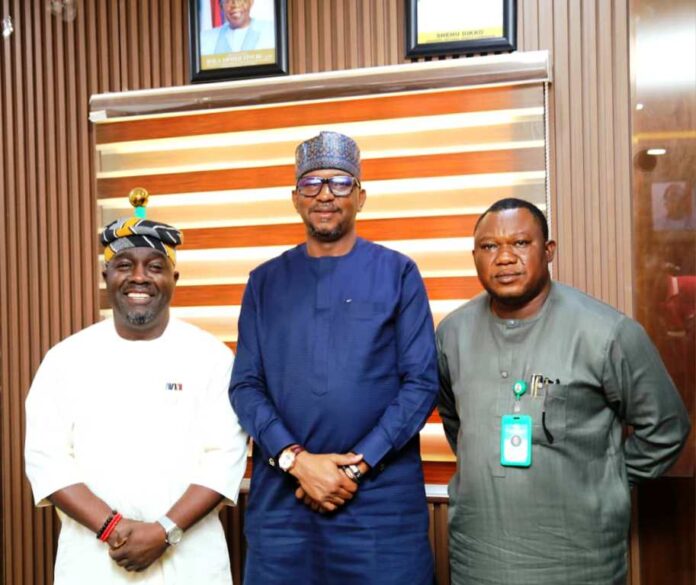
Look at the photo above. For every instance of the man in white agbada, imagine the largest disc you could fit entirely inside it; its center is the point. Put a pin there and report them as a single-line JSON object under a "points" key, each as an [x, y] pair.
{"points": [[130, 433]]}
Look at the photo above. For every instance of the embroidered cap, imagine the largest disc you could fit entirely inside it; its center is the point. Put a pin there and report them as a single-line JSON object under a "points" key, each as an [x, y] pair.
{"points": [[133, 232], [329, 150]]}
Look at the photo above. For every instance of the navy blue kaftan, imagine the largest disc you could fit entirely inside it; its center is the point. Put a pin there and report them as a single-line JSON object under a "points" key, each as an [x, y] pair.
{"points": [[337, 354]]}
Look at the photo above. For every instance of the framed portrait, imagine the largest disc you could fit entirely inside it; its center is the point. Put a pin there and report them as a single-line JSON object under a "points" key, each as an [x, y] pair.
{"points": [[673, 206], [455, 27], [236, 39]]}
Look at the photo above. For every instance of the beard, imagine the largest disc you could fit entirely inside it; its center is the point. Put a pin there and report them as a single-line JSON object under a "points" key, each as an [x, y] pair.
{"points": [[140, 318], [326, 236]]}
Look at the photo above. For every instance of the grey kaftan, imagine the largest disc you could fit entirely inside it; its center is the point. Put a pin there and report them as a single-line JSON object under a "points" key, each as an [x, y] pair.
{"points": [[565, 519]]}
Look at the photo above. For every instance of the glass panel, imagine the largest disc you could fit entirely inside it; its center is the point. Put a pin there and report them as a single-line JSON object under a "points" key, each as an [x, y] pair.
{"points": [[664, 186]]}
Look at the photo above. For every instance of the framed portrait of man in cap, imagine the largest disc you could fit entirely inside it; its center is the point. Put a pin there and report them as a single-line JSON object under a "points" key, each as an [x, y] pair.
{"points": [[234, 39]]}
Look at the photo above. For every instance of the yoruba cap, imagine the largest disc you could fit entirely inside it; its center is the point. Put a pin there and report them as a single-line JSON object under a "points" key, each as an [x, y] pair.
{"points": [[329, 150], [134, 232]]}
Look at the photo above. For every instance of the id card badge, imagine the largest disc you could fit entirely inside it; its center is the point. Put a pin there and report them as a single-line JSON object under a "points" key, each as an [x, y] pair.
{"points": [[516, 440]]}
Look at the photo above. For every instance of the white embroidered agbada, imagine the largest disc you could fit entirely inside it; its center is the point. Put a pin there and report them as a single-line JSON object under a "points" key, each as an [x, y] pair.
{"points": [[137, 422]]}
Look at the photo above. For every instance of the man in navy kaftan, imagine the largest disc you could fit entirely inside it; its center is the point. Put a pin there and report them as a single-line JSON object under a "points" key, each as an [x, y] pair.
{"points": [[335, 374]]}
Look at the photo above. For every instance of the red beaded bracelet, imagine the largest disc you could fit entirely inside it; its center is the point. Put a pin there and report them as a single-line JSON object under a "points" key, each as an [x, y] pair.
{"points": [[110, 527]]}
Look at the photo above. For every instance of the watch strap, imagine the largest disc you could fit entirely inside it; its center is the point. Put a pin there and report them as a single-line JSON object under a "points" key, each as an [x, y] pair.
{"points": [[286, 459], [353, 472], [169, 527]]}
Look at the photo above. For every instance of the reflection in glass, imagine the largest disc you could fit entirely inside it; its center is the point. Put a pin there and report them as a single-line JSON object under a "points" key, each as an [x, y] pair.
{"points": [[664, 187]]}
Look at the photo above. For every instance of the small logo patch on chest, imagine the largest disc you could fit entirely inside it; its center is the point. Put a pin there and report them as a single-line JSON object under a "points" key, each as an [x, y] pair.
{"points": [[174, 386]]}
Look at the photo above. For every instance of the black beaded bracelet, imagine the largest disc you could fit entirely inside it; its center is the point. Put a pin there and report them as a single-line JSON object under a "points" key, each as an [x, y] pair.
{"points": [[106, 523]]}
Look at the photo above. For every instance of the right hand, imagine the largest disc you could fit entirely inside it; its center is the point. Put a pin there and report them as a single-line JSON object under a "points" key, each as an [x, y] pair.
{"points": [[118, 538], [145, 542], [322, 479]]}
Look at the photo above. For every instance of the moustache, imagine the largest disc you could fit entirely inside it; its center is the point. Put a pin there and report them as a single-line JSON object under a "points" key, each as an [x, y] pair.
{"points": [[321, 208], [137, 288]]}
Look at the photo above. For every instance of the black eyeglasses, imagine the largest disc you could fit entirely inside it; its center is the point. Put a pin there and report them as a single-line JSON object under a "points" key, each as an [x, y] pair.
{"points": [[339, 185]]}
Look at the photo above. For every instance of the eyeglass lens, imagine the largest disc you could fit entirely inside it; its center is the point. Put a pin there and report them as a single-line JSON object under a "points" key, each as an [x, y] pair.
{"points": [[340, 185]]}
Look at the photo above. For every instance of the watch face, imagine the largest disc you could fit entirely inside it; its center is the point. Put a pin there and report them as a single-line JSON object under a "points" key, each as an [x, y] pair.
{"points": [[174, 535], [286, 459]]}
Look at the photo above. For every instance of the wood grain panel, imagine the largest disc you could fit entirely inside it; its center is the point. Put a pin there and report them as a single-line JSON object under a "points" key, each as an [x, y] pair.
{"points": [[352, 110], [248, 178], [33, 534], [450, 226], [49, 67], [589, 156], [495, 161], [232, 518], [233, 237], [364, 33], [589, 140], [13, 101], [461, 287], [434, 417], [439, 531], [465, 163], [212, 295], [666, 512], [438, 472]]}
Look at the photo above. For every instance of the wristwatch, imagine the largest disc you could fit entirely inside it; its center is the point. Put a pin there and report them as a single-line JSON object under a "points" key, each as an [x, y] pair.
{"points": [[287, 457], [353, 472], [173, 534]]}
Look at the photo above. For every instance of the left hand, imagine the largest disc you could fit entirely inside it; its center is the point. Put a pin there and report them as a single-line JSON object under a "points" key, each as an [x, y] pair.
{"points": [[144, 544], [322, 479], [301, 495]]}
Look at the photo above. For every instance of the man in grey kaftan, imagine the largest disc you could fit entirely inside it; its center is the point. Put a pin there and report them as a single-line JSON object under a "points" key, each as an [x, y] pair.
{"points": [[565, 518]]}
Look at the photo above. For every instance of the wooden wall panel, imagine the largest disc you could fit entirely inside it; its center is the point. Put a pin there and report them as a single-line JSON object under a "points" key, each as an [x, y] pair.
{"points": [[46, 154], [589, 140], [666, 517], [49, 67], [51, 64], [328, 35]]}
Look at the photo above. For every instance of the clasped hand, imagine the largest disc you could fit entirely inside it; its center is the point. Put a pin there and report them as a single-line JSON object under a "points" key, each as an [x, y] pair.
{"points": [[324, 486], [136, 545]]}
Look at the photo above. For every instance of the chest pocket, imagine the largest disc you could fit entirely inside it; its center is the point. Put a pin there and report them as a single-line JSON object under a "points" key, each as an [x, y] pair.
{"points": [[364, 329], [548, 415]]}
